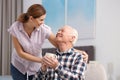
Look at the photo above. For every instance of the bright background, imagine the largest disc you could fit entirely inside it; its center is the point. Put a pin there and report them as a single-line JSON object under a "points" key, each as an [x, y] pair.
{"points": [[79, 14]]}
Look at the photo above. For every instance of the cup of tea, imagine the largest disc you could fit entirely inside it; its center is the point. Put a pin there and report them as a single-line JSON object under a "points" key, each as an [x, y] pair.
{"points": [[51, 55]]}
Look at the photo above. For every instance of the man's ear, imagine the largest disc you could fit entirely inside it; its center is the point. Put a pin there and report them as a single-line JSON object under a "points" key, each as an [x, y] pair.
{"points": [[72, 38]]}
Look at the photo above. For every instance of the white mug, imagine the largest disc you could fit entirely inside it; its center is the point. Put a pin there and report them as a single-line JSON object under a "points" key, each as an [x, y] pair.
{"points": [[51, 55]]}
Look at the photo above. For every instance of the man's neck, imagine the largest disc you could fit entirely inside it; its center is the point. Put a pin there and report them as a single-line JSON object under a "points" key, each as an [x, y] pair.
{"points": [[64, 47]]}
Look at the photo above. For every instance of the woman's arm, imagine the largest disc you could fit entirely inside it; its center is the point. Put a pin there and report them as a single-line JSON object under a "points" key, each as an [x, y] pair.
{"points": [[52, 40], [22, 53]]}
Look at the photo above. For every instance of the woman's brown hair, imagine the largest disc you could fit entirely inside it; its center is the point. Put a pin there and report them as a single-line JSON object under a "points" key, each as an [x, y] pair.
{"points": [[36, 11]]}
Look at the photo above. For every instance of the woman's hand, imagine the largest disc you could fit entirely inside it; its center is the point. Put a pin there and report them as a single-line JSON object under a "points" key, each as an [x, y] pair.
{"points": [[44, 67], [85, 55], [51, 62]]}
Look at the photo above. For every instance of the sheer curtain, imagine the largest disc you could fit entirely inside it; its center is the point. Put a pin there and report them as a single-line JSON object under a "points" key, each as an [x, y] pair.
{"points": [[9, 11]]}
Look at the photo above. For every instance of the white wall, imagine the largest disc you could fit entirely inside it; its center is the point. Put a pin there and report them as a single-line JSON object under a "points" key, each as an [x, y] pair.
{"points": [[107, 41], [107, 37], [27, 3]]}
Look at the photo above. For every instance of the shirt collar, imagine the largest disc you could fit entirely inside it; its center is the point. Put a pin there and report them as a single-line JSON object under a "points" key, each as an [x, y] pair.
{"points": [[38, 29], [69, 51]]}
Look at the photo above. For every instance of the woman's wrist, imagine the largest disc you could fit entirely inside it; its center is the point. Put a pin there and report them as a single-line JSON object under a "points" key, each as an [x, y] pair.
{"points": [[43, 69]]}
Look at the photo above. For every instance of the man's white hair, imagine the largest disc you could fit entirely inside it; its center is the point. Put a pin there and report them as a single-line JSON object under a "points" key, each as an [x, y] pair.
{"points": [[74, 33]]}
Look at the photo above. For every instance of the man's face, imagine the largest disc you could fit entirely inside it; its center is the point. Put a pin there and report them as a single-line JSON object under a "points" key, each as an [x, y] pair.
{"points": [[64, 34]]}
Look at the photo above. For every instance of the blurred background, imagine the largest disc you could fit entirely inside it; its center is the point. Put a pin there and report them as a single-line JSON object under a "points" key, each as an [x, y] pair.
{"points": [[106, 35]]}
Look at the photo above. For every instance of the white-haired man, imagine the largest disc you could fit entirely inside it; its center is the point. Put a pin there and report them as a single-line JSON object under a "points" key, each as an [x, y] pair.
{"points": [[69, 64]]}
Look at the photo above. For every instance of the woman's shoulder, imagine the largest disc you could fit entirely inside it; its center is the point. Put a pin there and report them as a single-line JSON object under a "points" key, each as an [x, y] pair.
{"points": [[44, 26], [14, 28], [15, 24]]}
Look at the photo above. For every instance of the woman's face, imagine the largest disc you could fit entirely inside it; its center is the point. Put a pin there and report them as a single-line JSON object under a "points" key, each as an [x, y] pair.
{"points": [[39, 21]]}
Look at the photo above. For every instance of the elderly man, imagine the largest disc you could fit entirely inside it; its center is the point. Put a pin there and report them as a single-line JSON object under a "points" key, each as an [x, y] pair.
{"points": [[69, 63]]}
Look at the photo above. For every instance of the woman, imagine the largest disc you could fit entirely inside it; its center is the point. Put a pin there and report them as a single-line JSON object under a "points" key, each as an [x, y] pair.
{"points": [[28, 35]]}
